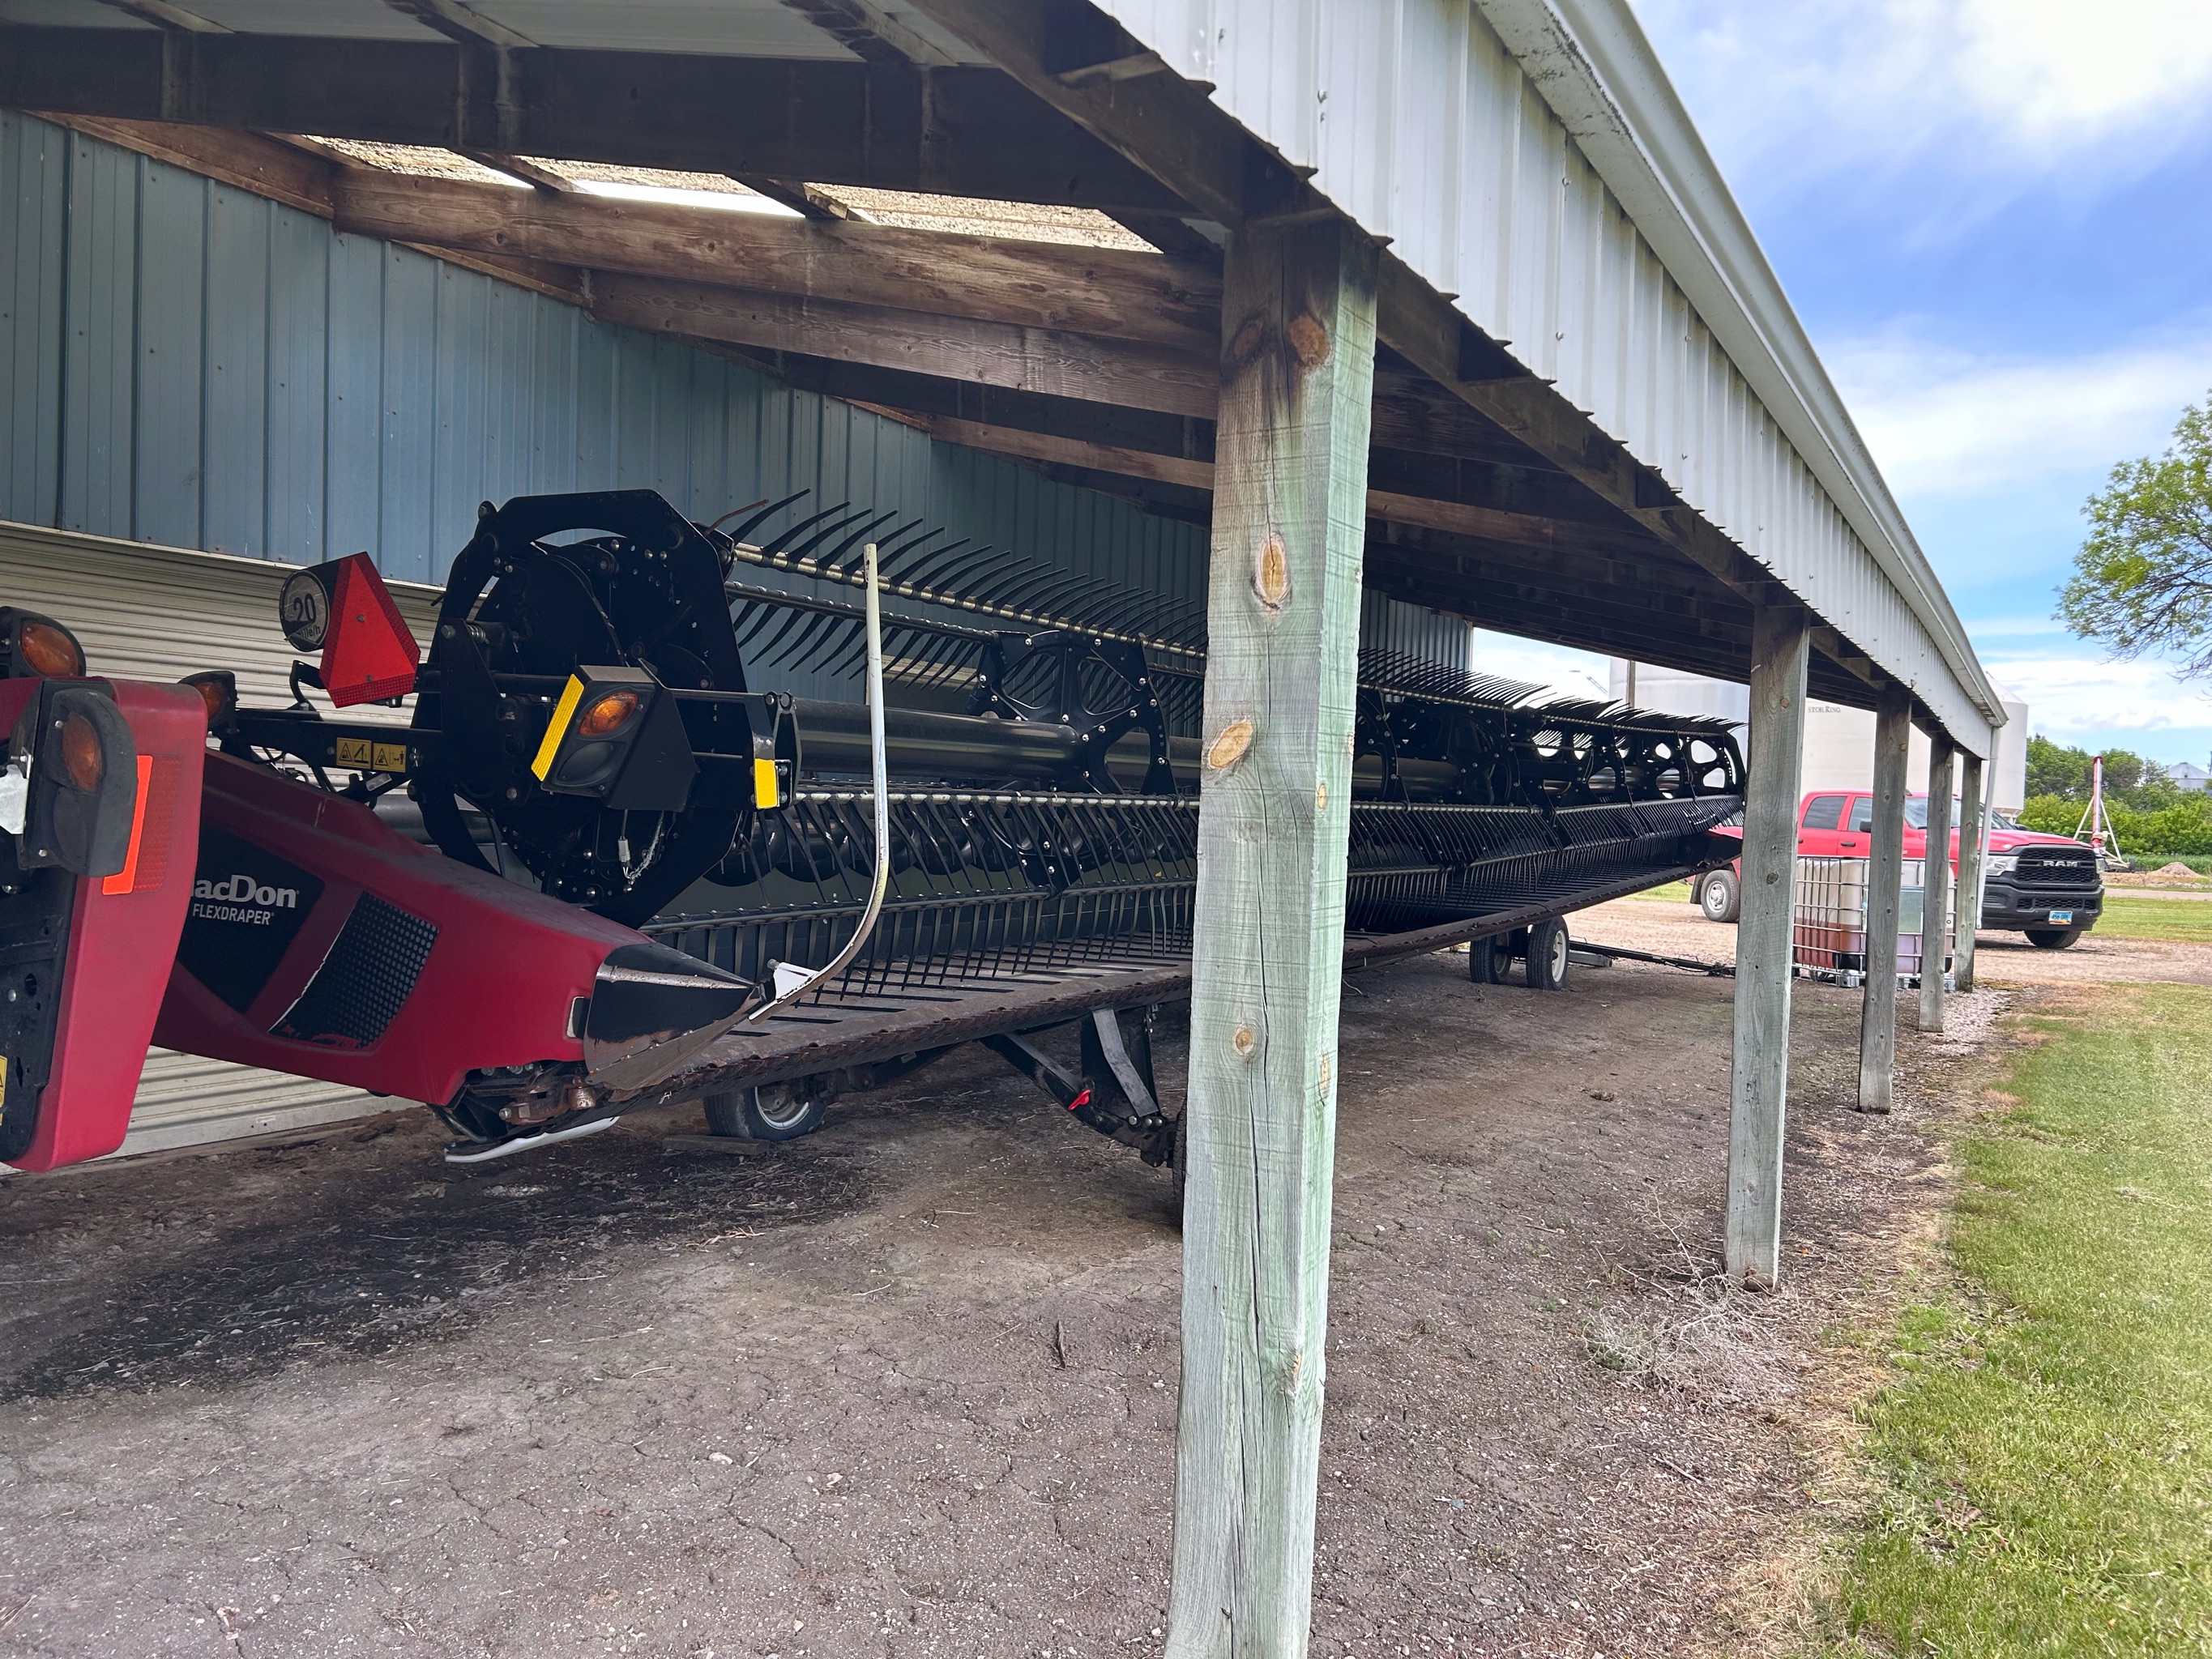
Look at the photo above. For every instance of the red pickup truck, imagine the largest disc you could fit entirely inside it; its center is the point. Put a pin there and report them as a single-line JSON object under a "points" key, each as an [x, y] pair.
{"points": [[2045, 886]]}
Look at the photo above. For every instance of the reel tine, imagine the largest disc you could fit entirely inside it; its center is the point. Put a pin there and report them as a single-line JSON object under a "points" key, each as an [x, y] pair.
{"points": [[949, 661], [1156, 621], [762, 616], [998, 584], [965, 581], [850, 661], [775, 547], [946, 563], [837, 636], [1078, 594], [1058, 595], [774, 649], [765, 513], [901, 541], [1099, 603], [805, 549], [914, 570], [854, 540], [821, 632], [1046, 589]]}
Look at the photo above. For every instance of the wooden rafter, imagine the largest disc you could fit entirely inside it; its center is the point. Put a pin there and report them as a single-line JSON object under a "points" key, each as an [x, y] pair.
{"points": [[956, 130], [1112, 293]]}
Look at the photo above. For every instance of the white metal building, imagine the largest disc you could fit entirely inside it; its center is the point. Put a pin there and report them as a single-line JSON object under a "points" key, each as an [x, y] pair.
{"points": [[1838, 740]]}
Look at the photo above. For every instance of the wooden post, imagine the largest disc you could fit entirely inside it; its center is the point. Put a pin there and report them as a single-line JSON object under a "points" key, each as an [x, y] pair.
{"points": [[1283, 625], [1893, 743], [1760, 1074], [1973, 835], [1935, 882]]}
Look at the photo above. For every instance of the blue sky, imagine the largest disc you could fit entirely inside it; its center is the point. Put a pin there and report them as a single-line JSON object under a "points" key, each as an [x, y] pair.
{"points": [[1995, 219]]}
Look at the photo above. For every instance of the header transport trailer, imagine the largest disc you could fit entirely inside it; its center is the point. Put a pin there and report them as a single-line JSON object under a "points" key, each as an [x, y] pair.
{"points": [[601, 869]]}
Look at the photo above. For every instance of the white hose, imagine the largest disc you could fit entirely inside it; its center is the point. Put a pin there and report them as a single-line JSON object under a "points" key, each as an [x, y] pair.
{"points": [[793, 982]]}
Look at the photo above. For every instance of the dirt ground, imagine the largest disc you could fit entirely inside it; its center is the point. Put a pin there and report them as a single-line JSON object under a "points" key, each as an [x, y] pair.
{"points": [[1674, 927], [908, 1388]]}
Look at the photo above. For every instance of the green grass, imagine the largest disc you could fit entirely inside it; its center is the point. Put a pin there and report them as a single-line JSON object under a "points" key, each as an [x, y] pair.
{"points": [[2042, 1456], [1677, 892], [2130, 916]]}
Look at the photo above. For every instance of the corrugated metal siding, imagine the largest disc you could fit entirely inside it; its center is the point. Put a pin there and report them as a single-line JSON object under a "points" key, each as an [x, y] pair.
{"points": [[1412, 630], [189, 364], [1419, 123], [159, 613]]}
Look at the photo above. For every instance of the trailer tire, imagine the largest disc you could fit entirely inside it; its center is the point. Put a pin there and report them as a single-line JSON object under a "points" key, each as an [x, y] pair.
{"points": [[1545, 969], [780, 1111], [2053, 939], [1489, 959], [1719, 897]]}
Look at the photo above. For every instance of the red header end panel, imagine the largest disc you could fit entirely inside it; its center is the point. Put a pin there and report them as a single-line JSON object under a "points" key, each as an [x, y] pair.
{"points": [[321, 943], [101, 973]]}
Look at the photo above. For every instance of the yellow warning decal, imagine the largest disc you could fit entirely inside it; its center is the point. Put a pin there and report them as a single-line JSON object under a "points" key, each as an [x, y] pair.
{"points": [[557, 727], [354, 752], [764, 786], [389, 756]]}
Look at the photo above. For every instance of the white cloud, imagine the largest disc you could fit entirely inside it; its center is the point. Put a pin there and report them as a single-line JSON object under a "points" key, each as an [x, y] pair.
{"points": [[2075, 697], [1815, 85], [1945, 423], [2053, 66]]}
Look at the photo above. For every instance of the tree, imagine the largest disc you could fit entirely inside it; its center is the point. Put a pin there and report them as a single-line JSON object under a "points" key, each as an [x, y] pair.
{"points": [[2061, 773], [2054, 770], [2142, 581]]}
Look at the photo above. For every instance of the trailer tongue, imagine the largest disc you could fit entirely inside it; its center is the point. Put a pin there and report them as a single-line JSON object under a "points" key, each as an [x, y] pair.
{"points": [[600, 871]]}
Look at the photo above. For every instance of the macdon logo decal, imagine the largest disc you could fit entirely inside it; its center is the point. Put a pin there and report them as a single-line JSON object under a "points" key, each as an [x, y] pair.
{"points": [[241, 898]]}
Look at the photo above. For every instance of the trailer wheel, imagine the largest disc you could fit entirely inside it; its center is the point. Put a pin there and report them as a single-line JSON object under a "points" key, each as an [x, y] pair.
{"points": [[1718, 896], [2053, 939], [1546, 966], [1489, 959], [780, 1111]]}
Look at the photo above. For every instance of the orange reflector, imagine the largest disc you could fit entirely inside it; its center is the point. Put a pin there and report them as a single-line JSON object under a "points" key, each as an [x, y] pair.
{"points": [[127, 878]]}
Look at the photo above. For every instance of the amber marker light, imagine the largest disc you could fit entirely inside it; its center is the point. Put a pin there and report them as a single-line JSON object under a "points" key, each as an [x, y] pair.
{"points": [[608, 714], [49, 651], [81, 754]]}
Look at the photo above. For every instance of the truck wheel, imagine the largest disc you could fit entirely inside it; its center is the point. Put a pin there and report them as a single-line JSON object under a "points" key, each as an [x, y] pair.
{"points": [[1547, 963], [780, 1111], [1488, 959], [2052, 938], [1718, 896]]}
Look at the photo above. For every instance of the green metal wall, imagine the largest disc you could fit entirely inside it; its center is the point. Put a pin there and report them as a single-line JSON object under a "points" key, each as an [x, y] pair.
{"points": [[187, 363]]}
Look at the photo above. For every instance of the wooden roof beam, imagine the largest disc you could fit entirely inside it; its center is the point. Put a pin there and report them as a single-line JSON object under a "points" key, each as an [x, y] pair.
{"points": [[1113, 292], [955, 130], [1046, 360]]}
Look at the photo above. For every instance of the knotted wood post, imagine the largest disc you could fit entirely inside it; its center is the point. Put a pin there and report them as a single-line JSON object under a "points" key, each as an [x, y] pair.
{"points": [[1893, 744], [1973, 837], [1759, 1073], [1935, 882], [1283, 623]]}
